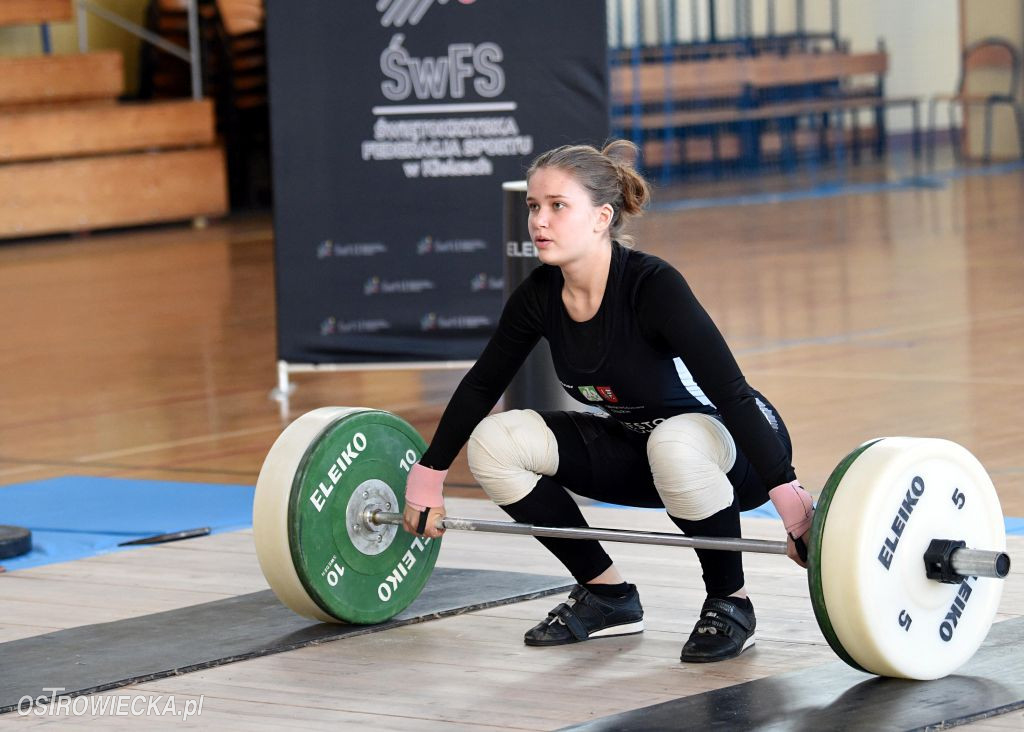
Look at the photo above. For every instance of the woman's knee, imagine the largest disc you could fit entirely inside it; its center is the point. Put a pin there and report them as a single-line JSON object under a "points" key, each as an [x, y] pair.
{"points": [[508, 452], [689, 455]]}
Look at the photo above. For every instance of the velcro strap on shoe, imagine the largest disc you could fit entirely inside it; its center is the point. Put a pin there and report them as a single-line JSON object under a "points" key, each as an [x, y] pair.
{"points": [[716, 624], [572, 621], [715, 608], [578, 593]]}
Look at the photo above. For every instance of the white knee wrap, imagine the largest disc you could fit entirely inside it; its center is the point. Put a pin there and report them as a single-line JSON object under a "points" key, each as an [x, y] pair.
{"points": [[508, 453], [689, 456]]}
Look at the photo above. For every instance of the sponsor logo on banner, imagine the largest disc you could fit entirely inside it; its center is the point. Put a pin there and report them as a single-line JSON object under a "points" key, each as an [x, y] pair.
{"points": [[476, 65], [444, 143], [333, 326], [430, 245], [328, 248], [377, 286], [399, 12], [590, 393], [482, 283], [608, 394], [433, 321], [520, 249]]}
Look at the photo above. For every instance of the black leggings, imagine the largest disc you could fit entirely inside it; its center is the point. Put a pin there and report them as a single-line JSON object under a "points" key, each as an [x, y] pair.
{"points": [[600, 459]]}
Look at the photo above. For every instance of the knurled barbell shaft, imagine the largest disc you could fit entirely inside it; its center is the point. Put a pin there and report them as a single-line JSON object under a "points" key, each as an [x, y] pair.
{"points": [[623, 535], [966, 562], [761, 546]]}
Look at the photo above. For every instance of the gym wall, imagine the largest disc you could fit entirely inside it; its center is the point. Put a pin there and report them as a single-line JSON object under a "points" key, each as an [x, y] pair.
{"points": [[1003, 18], [27, 41]]}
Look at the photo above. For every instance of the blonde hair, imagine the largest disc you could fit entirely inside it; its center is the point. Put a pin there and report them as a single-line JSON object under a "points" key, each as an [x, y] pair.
{"points": [[609, 175]]}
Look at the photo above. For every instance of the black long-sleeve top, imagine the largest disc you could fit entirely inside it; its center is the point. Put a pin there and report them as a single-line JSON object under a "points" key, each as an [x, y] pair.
{"points": [[650, 352]]}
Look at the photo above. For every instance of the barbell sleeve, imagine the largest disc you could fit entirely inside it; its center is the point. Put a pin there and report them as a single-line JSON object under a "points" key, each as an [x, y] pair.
{"points": [[966, 562], [980, 563]]}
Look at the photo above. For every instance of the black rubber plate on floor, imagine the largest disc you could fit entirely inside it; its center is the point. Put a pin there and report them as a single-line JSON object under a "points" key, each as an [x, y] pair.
{"points": [[837, 697], [94, 658], [14, 541]]}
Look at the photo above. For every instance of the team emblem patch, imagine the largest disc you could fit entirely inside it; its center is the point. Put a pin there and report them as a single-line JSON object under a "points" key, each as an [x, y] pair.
{"points": [[590, 393], [608, 394]]}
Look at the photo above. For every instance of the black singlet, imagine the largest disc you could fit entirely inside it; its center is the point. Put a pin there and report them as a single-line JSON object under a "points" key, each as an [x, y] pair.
{"points": [[650, 352]]}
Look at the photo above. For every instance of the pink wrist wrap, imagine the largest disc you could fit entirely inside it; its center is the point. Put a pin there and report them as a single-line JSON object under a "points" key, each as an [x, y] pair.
{"points": [[795, 506], [424, 486]]}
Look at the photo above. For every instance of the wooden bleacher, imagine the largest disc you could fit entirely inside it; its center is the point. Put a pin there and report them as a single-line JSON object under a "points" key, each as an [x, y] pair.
{"points": [[75, 130], [752, 45], [34, 12], [81, 194], [75, 158], [728, 101], [235, 76], [82, 76]]}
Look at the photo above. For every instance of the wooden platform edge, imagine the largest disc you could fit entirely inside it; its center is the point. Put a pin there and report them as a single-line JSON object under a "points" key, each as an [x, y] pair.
{"points": [[822, 697], [281, 630]]}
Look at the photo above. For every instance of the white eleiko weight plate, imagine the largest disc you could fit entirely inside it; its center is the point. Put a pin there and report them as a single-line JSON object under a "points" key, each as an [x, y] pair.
{"points": [[270, 508], [895, 497]]}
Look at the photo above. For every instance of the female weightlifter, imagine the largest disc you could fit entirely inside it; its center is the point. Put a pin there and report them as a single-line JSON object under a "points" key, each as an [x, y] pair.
{"points": [[678, 428]]}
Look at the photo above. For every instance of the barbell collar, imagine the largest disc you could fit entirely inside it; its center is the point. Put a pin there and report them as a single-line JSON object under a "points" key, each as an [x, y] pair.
{"points": [[966, 562]]}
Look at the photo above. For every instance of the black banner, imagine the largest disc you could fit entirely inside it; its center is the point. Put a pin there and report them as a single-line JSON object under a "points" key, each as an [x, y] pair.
{"points": [[394, 124]]}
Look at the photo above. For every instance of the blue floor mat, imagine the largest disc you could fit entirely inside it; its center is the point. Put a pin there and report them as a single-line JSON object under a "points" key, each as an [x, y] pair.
{"points": [[79, 516]]}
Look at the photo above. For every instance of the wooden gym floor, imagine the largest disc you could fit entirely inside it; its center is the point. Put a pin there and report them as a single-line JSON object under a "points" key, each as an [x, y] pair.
{"points": [[150, 354]]}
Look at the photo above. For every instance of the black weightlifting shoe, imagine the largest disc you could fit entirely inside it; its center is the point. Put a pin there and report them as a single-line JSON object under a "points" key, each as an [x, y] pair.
{"points": [[585, 615], [725, 630]]}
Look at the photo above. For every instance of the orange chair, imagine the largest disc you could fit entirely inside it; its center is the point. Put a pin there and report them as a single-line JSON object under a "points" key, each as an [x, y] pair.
{"points": [[995, 64]]}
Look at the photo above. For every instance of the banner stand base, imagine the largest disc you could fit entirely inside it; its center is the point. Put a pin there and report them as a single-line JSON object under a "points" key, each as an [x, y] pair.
{"points": [[285, 387]]}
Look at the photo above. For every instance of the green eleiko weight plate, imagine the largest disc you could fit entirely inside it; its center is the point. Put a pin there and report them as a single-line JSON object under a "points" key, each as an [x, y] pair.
{"points": [[814, 554], [358, 451]]}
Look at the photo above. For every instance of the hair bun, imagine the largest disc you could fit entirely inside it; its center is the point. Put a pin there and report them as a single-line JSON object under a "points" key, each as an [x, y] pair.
{"points": [[622, 152]]}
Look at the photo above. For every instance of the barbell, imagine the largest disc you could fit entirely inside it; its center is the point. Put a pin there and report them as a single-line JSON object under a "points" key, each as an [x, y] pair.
{"points": [[905, 565]]}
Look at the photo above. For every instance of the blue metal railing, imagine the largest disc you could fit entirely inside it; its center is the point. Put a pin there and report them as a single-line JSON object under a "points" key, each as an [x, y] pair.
{"points": [[645, 33]]}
